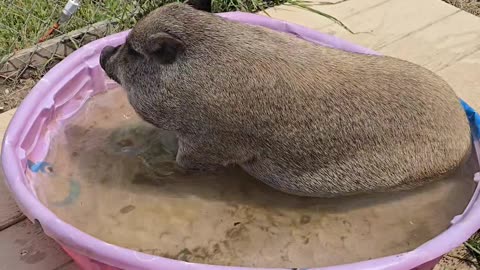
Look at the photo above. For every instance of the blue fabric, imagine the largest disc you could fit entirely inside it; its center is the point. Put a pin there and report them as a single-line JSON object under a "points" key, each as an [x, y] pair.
{"points": [[38, 167], [473, 118]]}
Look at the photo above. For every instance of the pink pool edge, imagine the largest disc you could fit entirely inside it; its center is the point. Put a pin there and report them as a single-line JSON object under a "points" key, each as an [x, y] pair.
{"points": [[65, 89]]}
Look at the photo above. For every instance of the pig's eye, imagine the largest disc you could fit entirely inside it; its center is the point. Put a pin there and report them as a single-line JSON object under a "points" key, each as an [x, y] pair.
{"points": [[132, 52]]}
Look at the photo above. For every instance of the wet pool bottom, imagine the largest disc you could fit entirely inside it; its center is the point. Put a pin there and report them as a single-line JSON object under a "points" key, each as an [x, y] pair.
{"points": [[111, 175]]}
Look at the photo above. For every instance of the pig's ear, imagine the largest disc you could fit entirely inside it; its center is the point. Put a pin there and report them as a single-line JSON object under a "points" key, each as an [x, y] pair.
{"points": [[164, 47]]}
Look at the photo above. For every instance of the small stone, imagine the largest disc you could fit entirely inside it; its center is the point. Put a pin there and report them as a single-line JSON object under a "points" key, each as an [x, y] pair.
{"points": [[127, 209]]}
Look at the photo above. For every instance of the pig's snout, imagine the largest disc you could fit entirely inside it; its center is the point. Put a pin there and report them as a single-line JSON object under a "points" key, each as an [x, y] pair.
{"points": [[106, 53]]}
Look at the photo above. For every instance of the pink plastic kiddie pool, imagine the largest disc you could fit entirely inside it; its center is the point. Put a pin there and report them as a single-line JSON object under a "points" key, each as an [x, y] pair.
{"points": [[65, 89]]}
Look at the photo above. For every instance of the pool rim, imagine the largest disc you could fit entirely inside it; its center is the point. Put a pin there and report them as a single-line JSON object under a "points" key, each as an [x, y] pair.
{"points": [[463, 226]]}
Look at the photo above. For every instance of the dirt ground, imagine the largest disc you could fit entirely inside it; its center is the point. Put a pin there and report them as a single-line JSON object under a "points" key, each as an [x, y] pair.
{"points": [[15, 86], [459, 259], [12, 94]]}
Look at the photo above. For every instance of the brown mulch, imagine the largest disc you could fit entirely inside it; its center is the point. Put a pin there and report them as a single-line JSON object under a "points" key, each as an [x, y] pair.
{"points": [[15, 86], [12, 94], [458, 259]]}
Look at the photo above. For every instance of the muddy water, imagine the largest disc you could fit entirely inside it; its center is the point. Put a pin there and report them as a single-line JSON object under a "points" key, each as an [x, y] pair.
{"points": [[113, 176]]}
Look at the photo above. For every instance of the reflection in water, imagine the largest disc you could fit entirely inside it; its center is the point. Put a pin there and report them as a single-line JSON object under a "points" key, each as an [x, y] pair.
{"points": [[114, 177]]}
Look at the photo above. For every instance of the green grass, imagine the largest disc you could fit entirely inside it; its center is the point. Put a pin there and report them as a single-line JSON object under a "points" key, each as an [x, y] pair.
{"points": [[473, 247], [24, 22]]}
